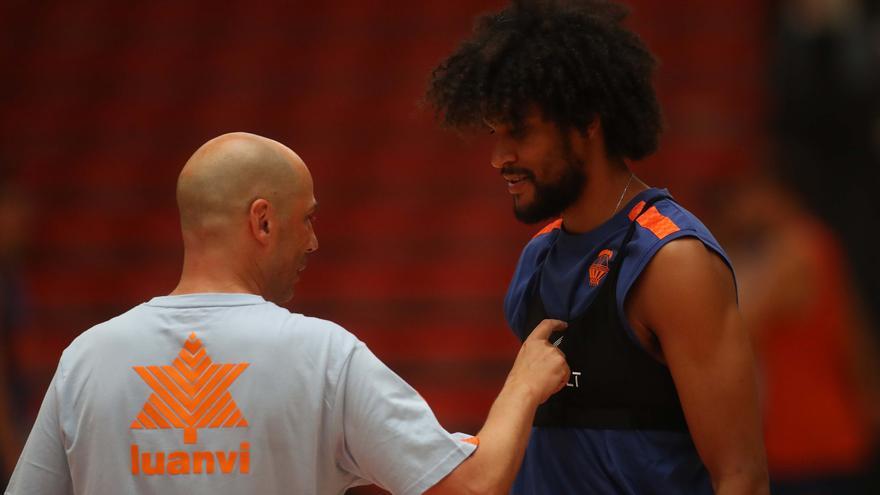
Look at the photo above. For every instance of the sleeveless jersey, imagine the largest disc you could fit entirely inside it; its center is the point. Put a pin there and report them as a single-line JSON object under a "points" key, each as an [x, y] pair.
{"points": [[617, 428]]}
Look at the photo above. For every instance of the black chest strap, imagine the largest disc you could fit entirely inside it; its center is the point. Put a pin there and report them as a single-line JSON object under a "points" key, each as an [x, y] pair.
{"points": [[615, 384]]}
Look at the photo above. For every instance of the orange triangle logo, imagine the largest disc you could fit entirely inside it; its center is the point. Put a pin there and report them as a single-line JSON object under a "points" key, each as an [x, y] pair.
{"points": [[600, 267], [191, 393]]}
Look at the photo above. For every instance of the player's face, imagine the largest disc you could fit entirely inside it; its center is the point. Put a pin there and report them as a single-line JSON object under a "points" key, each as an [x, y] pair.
{"points": [[297, 240], [541, 170]]}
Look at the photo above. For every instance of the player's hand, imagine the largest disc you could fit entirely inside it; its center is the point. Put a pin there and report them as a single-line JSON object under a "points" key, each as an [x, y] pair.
{"points": [[540, 366]]}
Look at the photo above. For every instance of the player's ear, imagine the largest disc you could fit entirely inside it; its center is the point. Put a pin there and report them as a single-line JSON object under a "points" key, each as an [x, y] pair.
{"points": [[260, 220], [582, 139]]}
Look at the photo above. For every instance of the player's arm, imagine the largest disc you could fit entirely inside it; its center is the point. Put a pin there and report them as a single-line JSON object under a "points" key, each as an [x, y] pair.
{"points": [[687, 298], [539, 371]]}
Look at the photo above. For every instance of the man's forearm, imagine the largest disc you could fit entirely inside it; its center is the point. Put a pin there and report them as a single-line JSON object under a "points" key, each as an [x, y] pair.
{"points": [[504, 436], [539, 371]]}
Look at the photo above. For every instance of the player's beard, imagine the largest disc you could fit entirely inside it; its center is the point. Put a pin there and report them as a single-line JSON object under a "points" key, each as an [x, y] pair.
{"points": [[553, 198]]}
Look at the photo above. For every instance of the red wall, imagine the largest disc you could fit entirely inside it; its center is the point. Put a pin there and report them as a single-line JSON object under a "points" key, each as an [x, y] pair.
{"points": [[103, 102]]}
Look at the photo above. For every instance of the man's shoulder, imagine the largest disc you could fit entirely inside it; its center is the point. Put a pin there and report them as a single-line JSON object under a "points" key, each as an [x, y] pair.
{"points": [[668, 239], [687, 251], [683, 273], [550, 228], [108, 329], [665, 218], [661, 224], [106, 339], [325, 328], [267, 325], [543, 239]]}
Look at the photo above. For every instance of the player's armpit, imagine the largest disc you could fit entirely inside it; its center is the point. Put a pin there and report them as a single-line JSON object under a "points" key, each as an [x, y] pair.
{"points": [[687, 298]]}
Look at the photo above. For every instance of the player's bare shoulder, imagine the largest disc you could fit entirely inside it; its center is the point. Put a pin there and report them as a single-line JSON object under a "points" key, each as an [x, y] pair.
{"points": [[687, 264], [683, 277]]}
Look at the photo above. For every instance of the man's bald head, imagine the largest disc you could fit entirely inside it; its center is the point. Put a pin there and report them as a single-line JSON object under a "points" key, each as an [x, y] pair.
{"points": [[224, 176], [247, 208]]}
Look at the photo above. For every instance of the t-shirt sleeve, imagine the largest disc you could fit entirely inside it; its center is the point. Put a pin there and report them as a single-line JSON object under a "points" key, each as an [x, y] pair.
{"points": [[42, 467], [391, 437]]}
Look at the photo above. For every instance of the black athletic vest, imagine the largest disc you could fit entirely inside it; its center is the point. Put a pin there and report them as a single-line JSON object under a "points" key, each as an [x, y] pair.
{"points": [[614, 384]]}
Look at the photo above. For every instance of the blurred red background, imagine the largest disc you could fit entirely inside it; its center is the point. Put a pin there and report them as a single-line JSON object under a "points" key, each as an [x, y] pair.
{"points": [[102, 102]]}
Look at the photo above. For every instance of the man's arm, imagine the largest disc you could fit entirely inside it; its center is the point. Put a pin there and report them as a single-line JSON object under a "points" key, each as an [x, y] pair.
{"points": [[687, 298], [539, 371], [391, 437]]}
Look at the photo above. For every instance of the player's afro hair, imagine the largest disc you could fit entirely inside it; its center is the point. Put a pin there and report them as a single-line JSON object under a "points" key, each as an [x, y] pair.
{"points": [[572, 59]]}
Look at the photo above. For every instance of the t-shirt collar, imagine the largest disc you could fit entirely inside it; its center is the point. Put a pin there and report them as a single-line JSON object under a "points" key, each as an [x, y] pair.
{"points": [[206, 299]]}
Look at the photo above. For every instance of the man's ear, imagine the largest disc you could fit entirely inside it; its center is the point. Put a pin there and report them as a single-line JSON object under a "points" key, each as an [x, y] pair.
{"points": [[584, 139], [261, 217]]}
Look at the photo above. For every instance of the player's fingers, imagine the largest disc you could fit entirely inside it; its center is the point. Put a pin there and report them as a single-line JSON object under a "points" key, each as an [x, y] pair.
{"points": [[547, 327]]}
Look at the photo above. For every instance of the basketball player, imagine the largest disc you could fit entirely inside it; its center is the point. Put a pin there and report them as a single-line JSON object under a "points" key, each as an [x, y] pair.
{"points": [[216, 390], [662, 396]]}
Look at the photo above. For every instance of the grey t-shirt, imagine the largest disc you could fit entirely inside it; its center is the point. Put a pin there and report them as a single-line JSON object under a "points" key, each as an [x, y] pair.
{"points": [[227, 393]]}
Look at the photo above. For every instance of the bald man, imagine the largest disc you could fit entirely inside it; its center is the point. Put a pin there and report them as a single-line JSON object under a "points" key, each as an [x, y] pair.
{"points": [[215, 389]]}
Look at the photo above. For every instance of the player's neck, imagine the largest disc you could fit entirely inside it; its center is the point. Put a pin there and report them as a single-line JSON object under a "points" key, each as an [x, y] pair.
{"points": [[207, 273], [609, 187]]}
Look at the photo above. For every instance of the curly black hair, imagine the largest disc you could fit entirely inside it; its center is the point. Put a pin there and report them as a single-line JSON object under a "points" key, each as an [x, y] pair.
{"points": [[572, 59]]}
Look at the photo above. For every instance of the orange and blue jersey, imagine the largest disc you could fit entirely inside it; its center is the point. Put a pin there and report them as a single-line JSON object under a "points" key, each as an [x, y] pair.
{"points": [[617, 428]]}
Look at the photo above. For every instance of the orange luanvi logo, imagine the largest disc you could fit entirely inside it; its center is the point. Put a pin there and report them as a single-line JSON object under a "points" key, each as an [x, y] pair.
{"points": [[600, 267], [190, 394]]}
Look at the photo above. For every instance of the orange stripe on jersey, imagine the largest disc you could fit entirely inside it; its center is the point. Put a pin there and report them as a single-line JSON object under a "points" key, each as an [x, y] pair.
{"points": [[636, 210], [472, 440], [660, 225], [557, 224]]}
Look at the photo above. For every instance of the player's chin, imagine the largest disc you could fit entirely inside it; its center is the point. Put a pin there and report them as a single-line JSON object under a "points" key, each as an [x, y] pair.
{"points": [[530, 214], [523, 206], [523, 202]]}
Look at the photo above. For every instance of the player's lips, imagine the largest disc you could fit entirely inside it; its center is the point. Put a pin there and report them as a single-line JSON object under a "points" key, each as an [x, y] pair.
{"points": [[516, 183]]}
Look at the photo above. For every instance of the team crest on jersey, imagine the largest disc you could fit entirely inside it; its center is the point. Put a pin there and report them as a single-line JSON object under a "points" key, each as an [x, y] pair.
{"points": [[190, 394], [600, 268]]}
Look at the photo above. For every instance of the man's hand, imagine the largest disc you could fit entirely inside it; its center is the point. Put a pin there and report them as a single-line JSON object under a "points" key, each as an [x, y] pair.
{"points": [[539, 371], [540, 366]]}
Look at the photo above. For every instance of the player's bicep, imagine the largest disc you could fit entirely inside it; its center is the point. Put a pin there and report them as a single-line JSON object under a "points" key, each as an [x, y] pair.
{"points": [[688, 299]]}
